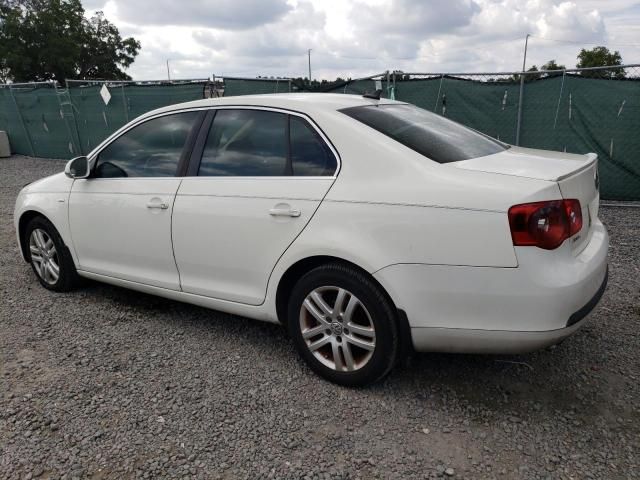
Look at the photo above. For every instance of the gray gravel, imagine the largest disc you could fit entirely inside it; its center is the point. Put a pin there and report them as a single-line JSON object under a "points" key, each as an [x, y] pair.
{"points": [[109, 383]]}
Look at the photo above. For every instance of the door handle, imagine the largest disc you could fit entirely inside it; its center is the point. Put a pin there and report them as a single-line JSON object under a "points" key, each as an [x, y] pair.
{"points": [[162, 206], [284, 212]]}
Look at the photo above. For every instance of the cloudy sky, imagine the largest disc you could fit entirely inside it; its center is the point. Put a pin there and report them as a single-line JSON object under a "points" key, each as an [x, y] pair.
{"points": [[353, 38]]}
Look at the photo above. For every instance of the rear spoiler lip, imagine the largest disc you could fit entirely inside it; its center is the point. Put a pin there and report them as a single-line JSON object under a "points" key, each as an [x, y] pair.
{"points": [[591, 159]]}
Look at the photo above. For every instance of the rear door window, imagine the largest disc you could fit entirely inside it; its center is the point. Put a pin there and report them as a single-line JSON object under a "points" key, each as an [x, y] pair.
{"points": [[246, 143], [310, 155], [262, 143]]}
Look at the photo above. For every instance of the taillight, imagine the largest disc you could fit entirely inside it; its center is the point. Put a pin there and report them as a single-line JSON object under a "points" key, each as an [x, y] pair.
{"points": [[545, 224]]}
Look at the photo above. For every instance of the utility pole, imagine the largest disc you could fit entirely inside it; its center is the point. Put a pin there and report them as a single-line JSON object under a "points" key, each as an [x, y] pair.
{"points": [[168, 74], [524, 63], [309, 54]]}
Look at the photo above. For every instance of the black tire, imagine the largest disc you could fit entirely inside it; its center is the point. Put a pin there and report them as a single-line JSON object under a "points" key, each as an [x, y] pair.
{"points": [[381, 314], [68, 276]]}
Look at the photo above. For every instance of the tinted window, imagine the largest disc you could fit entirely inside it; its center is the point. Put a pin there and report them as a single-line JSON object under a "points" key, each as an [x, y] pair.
{"points": [[310, 156], [246, 143], [433, 136], [151, 149]]}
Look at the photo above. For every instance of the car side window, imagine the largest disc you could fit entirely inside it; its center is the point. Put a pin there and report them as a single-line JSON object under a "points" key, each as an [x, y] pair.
{"points": [[151, 149], [246, 143], [310, 155]]}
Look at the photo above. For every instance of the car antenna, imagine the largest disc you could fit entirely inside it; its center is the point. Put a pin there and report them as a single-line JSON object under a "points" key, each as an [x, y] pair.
{"points": [[375, 95]]}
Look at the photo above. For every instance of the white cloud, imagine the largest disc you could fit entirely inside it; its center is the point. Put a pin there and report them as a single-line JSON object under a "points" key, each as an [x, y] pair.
{"points": [[224, 14], [360, 37]]}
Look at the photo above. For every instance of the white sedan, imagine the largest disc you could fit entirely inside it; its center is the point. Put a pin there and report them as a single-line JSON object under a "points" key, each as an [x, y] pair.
{"points": [[368, 227]]}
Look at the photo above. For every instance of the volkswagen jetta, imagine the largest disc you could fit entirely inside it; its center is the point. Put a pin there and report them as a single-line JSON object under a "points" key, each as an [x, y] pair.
{"points": [[367, 227]]}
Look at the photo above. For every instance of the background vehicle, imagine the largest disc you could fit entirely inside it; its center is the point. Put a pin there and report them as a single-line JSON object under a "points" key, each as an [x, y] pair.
{"points": [[368, 227]]}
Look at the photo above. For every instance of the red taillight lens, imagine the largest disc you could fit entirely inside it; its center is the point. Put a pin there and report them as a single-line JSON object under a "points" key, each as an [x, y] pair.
{"points": [[574, 214], [545, 224]]}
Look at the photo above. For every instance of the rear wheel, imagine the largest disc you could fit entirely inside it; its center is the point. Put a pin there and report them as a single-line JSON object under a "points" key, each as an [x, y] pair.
{"points": [[343, 325], [49, 257]]}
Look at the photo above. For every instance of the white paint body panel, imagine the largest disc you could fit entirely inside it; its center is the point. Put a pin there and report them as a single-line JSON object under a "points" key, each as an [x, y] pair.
{"points": [[115, 233], [226, 242], [540, 295], [47, 196], [530, 163], [435, 236]]}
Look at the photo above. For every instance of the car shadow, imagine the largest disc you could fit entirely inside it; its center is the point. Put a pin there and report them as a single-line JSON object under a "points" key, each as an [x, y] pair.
{"points": [[561, 378]]}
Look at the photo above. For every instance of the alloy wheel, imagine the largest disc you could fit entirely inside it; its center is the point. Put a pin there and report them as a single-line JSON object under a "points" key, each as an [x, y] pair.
{"points": [[337, 328], [44, 256]]}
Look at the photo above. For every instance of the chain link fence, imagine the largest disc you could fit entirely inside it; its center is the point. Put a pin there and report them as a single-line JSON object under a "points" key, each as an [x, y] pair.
{"points": [[234, 86], [574, 110]]}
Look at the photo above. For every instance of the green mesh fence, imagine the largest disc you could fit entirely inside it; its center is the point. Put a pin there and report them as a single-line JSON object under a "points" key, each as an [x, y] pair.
{"points": [[95, 121], [43, 121], [577, 112], [35, 122], [589, 115], [244, 86], [10, 122], [572, 113]]}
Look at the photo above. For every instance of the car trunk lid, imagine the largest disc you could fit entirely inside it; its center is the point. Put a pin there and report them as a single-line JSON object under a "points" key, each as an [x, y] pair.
{"points": [[576, 176]]}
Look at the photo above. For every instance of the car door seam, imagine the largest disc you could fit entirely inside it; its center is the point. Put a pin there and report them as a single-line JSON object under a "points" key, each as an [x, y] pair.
{"points": [[293, 240], [68, 206], [173, 250]]}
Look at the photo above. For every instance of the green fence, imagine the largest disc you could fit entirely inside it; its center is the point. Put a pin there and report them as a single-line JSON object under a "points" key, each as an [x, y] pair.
{"points": [[46, 121], [575, 111], [253, 86], [34, 120], [569, 112]]}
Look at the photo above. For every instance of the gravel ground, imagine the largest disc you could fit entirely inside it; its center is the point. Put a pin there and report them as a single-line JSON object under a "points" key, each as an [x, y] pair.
{"points": [[109, 383]]}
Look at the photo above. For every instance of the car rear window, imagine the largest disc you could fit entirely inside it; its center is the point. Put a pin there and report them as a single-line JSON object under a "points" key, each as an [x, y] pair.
{"points": [[435, 137]]}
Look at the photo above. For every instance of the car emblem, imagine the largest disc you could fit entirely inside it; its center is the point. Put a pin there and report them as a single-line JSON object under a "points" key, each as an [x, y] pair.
{"points": [[336, 328]]}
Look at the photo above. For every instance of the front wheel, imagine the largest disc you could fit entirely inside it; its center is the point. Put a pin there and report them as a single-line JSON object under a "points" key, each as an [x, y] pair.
{"points": [[49, 257], [343, 325]]}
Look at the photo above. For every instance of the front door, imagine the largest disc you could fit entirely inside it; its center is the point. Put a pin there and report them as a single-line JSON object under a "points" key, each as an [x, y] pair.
{"points": [[120, 217], [258, 181]]}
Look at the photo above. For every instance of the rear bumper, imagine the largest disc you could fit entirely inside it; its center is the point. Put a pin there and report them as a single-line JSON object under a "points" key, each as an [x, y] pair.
{"points": [[501, 310], [459, 340]]}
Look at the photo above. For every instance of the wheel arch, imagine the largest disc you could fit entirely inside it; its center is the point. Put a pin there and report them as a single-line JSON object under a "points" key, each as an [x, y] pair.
{"points": [[298, 269], [23, 221]]}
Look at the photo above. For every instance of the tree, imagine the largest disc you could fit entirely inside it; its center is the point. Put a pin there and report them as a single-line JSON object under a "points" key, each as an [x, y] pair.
{"points": [[52, 40], [105, 52], [529, 77], [552, 65], [600, 57]]}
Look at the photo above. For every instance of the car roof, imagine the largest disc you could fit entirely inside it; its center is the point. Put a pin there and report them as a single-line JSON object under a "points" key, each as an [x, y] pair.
{"points": [[301, 102]]}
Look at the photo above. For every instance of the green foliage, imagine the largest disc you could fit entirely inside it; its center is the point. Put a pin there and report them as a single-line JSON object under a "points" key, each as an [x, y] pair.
{"points": [[600, 57], [52, 40], [552, 65], [303, 84], [529, 77]]}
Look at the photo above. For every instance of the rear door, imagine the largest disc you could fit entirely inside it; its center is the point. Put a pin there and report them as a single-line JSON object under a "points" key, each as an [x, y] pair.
{"points": [[256, 178]]}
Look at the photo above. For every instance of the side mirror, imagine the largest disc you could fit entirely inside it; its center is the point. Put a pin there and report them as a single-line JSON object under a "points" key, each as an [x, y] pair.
{"points": [[77, 168]]}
